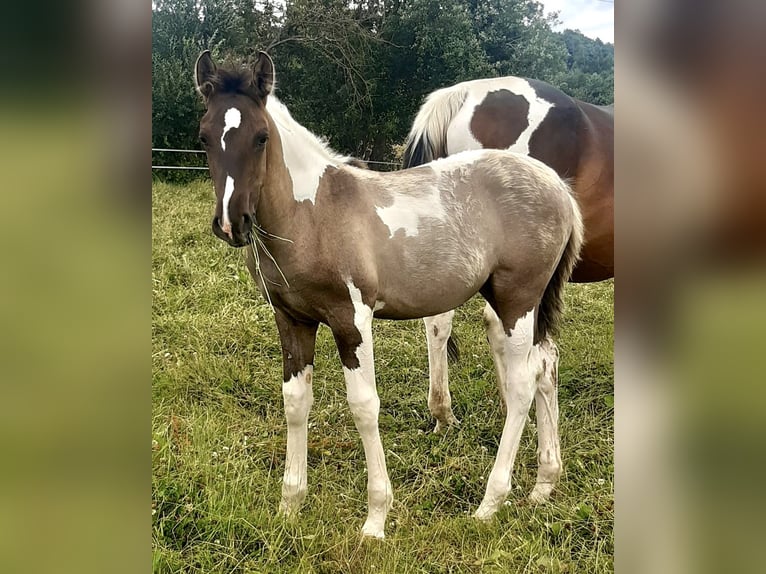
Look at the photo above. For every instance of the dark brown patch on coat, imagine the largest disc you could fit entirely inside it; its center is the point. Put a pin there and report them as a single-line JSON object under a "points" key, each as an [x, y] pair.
{"points": [[500, 119], [555, 142]]}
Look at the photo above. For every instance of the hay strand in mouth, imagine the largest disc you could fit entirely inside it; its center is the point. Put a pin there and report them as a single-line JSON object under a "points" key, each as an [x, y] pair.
{"points": [[260, 273]]}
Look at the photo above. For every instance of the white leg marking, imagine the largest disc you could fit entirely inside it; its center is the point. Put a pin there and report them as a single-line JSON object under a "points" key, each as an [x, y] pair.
{"points": [[438, 329], [365, 405], [228, 191], [547, 408], [298, 396], [496, 337], [523, 361]]}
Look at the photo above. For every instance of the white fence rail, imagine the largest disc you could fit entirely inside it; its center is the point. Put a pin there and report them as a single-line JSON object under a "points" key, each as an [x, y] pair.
{"points": [[173, 150]]}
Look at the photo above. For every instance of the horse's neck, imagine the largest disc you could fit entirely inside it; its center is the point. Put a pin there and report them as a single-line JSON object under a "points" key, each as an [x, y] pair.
{"points": [[305, 156]]}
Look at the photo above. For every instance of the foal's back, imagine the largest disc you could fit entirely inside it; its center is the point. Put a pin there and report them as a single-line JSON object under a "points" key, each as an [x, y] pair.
{"points": [[450, 223]]}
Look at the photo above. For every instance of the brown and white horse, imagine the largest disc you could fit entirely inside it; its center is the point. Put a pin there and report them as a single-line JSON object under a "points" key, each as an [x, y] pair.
{"points": [[331, 243], [533, 118]]}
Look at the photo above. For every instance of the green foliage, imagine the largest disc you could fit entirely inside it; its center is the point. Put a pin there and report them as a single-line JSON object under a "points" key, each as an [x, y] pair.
{"points": [[589, 72], [356, 72]]}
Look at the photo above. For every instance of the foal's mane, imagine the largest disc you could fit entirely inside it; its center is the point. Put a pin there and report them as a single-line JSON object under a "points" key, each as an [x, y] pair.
{"points": [[230, 79]]}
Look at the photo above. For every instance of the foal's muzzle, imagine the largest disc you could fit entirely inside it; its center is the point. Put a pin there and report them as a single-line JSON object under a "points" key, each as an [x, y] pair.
{"points": [[241, 231]]}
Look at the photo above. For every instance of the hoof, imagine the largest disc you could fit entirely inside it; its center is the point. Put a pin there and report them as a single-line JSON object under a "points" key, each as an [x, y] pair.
{"points": [[288, 510], [541, 493], [484, 514], [370, 531], [449, 422]]}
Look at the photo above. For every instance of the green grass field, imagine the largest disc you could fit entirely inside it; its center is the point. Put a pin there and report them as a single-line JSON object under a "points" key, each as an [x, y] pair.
{"points": [[219, 433]]}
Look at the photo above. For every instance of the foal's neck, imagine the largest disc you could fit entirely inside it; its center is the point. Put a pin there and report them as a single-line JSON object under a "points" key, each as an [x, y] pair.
{"points": [[305, 155]]}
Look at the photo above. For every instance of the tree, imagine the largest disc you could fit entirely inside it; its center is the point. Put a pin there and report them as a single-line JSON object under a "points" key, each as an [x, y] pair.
{"points": [[357, 71]]}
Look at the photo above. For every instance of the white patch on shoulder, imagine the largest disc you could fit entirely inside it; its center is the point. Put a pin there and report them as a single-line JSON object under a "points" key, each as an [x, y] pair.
{"points": [[228, 191], [231, 119], [378, 305]]}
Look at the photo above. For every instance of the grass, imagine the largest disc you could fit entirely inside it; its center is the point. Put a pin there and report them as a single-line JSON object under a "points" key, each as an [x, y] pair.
{"points": [[219, 433]]}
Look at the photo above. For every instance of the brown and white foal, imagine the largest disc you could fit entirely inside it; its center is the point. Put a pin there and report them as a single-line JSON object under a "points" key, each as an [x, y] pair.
{"points": [[331, 243]]}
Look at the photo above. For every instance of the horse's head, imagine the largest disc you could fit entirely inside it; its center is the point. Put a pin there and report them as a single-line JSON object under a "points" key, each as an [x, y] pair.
{"points": [[235, 134]]}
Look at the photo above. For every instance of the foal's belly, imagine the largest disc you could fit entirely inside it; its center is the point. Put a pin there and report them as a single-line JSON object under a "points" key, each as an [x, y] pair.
{"points": [[415, 292]]}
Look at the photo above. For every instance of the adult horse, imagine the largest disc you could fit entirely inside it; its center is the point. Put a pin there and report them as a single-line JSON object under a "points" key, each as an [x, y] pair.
{"points": [[534, 118], [331, 243]]}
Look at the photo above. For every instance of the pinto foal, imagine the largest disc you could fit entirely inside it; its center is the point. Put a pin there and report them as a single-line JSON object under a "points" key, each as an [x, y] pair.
{"points": [[330, 243]]}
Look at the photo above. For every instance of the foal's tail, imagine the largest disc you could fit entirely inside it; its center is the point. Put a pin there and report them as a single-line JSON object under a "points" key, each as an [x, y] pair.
{"points": [[427, 139], [552, 303]]}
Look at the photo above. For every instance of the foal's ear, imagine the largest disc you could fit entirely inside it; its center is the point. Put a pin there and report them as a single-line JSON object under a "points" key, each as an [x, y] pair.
{"points": [[204, 70], [263, 75]]}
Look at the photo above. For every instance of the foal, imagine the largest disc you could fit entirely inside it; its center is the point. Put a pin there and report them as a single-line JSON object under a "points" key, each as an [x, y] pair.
{"points": [[331, 243]]}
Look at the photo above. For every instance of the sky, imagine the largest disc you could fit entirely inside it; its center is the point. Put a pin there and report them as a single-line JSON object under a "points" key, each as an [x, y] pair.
{"points": [[594, 18]]}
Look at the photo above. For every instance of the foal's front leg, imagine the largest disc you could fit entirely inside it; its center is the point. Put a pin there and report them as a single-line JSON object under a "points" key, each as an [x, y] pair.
{"points": [[353, 335], [298, 340]]}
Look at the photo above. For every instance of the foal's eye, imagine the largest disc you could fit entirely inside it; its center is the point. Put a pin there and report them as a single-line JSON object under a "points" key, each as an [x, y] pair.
{"points": [[261, 140]]}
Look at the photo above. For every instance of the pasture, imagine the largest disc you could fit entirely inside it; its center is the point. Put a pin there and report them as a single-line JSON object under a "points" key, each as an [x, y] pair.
{"points": [[218, 433]]}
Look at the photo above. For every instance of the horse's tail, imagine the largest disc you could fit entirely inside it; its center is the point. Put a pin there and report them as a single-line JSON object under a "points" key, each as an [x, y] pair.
{"points": [[427, 139], [552, 303]]}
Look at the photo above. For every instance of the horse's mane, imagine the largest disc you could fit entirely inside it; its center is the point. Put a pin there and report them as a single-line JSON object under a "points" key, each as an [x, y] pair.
{"points": [[233, 80]]}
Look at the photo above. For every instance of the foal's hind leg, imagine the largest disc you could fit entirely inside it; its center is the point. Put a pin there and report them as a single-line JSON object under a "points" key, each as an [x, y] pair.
{"points": [[438, 329], [522, 369], [546, 403], [496, 337], [547, 408]]}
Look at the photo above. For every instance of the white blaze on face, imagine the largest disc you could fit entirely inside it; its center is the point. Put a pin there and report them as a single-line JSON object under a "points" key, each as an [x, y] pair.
{"points": [[232, 119], [228, 191]]}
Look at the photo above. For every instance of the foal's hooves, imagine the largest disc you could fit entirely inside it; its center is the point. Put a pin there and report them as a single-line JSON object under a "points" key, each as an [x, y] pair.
{"points": [[483, 514], [443, 427], [288, 511], [372, 532], [541, 493]]}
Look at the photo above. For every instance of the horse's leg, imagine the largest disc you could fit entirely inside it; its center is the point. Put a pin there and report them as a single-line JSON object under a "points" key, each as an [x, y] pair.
{"points": [[438, 329], [353, 336], [547, 408], [298, 341], [522, 369], [496, 337]]}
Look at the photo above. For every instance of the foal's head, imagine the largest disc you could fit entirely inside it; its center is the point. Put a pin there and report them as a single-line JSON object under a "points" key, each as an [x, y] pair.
{"points": [[235, 134]]}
